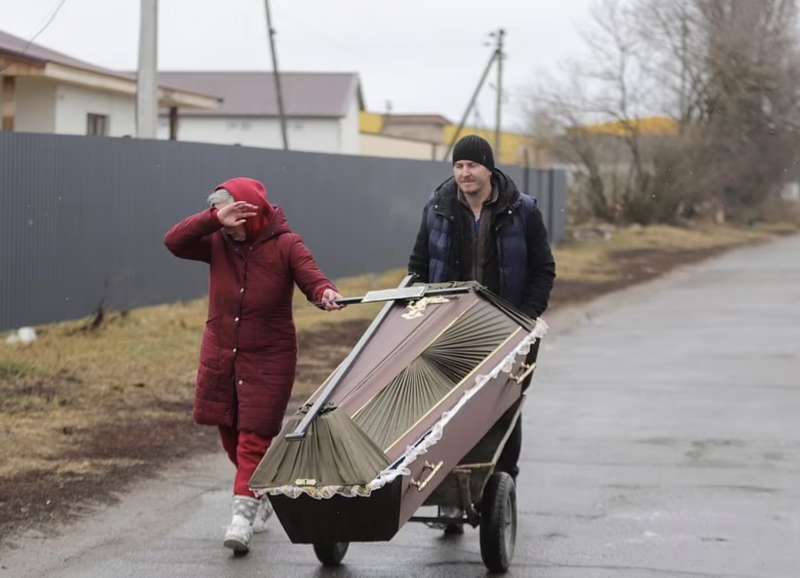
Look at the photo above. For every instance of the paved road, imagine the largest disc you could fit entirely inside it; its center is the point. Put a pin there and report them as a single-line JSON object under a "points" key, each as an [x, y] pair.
{"points": [[662, 439]]}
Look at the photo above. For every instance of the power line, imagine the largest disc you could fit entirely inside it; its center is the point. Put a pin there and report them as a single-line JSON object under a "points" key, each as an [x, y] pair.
{"points": [[307, 25], [44, 27]]}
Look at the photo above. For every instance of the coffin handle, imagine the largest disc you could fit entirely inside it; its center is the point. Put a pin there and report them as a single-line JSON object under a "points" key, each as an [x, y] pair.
{"points": [[528, 369], [434, 470]]}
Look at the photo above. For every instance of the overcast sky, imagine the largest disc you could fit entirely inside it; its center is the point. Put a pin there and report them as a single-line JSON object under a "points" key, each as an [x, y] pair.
{"points": [[425, 56]]}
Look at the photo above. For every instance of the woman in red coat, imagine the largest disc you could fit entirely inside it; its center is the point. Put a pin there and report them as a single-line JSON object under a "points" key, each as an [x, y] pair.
{"points": [[249, 349]]}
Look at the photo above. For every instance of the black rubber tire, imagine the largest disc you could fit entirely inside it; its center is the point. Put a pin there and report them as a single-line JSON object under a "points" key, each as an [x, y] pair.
{"points": [[331, 553], [498, 529]]}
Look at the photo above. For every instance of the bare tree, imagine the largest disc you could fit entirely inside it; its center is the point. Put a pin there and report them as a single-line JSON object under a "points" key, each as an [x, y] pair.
{"points": [[558, 118], [613, 87], [726, 71], [751, 108]]}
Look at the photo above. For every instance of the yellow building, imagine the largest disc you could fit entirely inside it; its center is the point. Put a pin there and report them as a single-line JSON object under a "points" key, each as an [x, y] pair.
{"points": [[649, 125], [513, 146], [427, 136], [371, 122]]}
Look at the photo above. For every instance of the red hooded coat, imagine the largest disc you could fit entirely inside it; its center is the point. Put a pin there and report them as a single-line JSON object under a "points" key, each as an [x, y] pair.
{"points": [[249, 350]]}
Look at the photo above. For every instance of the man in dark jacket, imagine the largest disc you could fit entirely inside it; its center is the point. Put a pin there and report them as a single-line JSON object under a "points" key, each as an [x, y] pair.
{"points": [[477, 226]]}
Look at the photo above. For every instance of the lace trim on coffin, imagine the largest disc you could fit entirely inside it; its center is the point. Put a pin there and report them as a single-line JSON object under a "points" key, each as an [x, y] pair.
{"points": [[428, 440]]}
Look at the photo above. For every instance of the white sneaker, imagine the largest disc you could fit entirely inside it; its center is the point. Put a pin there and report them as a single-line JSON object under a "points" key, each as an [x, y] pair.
{"points": [[263, 514], [240, 530]]}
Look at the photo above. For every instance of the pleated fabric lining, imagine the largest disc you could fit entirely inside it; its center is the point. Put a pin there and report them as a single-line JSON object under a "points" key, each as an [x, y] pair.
{"points": [[430, 377], [344, 454], [334, 452]]}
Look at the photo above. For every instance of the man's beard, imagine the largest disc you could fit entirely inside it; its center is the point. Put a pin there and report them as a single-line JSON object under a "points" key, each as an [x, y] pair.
{"points": [[472, 191]]}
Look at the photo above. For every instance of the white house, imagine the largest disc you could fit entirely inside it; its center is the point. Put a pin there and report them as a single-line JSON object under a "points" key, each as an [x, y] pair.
{"points": [[46, 91], [322, 109], [42, 90]]}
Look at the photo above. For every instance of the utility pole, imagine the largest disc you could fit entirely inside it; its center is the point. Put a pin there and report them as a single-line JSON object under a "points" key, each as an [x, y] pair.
{"points": [[497, 56], [499, 107], [277, 76], [147, 78], [470, 105]]}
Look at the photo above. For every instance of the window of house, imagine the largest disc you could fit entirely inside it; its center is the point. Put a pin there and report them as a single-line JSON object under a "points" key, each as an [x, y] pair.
{"points": [[96, 124]]}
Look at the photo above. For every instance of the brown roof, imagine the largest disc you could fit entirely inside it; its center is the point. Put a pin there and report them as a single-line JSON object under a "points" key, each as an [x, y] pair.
{"points": [[20, 49], [415, 119], [252, 93]]}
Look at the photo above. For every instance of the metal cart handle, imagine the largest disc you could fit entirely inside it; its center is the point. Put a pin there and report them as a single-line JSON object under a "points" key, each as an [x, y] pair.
{"points": [[528, 370], [434, 470]]}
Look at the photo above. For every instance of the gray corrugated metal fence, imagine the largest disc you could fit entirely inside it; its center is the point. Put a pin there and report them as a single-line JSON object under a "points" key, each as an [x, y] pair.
{"points": [[83, 218]]}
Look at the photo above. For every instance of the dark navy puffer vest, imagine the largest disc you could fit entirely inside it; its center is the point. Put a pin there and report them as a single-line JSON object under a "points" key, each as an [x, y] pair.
{"points": [[510, 236]]}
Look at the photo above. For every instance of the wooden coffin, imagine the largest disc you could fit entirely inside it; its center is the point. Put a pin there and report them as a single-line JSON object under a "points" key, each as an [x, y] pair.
{"points": [[433, 377]]}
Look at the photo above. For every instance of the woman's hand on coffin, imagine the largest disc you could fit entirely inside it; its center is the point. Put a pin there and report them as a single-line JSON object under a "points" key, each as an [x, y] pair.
{"points": [[329, 300]]}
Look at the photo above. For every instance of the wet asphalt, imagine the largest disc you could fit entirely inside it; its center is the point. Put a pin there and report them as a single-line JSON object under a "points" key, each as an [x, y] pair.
{"points": [[661, 439]]}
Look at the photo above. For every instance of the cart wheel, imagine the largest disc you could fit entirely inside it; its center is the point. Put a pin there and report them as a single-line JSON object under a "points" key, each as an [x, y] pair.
{"points": [[498, 529], [330, 553]]}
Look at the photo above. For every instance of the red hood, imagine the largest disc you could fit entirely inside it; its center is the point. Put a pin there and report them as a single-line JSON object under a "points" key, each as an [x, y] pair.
{"points": [[277, 224], [253, 192]]}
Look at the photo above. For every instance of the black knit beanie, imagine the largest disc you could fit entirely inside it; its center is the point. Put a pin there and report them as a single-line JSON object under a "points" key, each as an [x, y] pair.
{"points": [[474, 148]]}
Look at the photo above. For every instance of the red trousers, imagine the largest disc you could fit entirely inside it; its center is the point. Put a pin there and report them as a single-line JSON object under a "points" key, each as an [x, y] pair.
{"points": [[245, 449]]}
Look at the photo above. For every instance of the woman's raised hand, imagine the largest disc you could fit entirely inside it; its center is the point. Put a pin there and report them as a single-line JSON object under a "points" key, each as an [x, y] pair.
{"points": [[235, 213]]}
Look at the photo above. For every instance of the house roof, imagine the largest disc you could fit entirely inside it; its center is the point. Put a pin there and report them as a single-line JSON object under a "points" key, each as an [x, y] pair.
{"points": [[18, 57], [21, 49], [435, 119], [252, 93]]}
